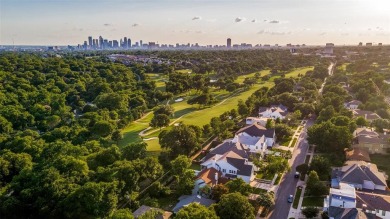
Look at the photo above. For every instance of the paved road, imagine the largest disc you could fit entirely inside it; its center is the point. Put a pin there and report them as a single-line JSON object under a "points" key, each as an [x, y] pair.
{"points": [[289, 182]]}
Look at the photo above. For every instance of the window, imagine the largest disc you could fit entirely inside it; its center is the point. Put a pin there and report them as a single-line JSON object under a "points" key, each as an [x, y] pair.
{"points": [[377, 211], [224, 170], [383, 213]]}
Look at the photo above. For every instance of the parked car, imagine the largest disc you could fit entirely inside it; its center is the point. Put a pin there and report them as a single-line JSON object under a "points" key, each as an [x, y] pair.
{"points": [[290, 199], [296, 175]]}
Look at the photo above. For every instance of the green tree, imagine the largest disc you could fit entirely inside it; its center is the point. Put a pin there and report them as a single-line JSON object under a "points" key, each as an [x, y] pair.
{"points": [[361, 121], [196, 211], [103, 128], [314, 186], [239, 185], [322, 166], [266, 200], [243, 109], [117, 136], [329, 137], [234, 206], [124, 213], [184, 176], [182, 139], [134, 151], [310, 212], [160, 120], [302, 169], [218, 191]]}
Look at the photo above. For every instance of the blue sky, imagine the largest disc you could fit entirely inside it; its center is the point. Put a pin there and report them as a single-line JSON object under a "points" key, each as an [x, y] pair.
{"points": [[64, 22]]}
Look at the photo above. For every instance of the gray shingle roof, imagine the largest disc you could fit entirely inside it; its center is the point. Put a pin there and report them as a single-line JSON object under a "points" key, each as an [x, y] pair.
{"points": [[372, 201], [188, 199], [257, 130], [348, 213]]}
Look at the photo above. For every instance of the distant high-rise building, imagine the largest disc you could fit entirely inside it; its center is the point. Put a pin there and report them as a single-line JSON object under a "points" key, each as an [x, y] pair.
{"points": [[360, 44], [101, 42], [115, 44], [368, 44], [329, 48], [129, 43], [125, 43], [229, 43], [90, 41], [379, 44], [85, 45], [95, 43], [105, 44]]}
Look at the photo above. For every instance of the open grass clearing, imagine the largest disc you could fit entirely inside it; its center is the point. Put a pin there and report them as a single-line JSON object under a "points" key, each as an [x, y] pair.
{"points": [[313, 201], [382, 161], [297, 197]]}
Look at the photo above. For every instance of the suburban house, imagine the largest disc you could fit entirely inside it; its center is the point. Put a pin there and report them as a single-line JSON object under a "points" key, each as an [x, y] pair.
{"points": [[232, 159], [353, 104], [185, 200], [273, 112], [377, 204], [360, 174], [209, 177], [368, 115], [371, 141], [357, 154], [143, 209], [256, 137], [256, 120], [344, 196], [349, 213], [365, 131], [347, 203]]}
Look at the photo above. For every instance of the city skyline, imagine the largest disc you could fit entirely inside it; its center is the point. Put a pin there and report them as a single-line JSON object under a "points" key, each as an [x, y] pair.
{"points": [[68, 22]]}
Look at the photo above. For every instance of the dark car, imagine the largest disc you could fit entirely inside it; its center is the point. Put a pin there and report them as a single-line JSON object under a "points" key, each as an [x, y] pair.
{"points": [[296, 175], [290, 198]]}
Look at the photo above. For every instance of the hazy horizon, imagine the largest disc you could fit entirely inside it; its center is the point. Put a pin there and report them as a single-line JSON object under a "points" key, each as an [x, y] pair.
{"points": [[70, 22]]}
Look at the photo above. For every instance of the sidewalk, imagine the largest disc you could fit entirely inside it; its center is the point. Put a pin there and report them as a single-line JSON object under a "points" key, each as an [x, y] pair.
{"points": [[297, 213]]}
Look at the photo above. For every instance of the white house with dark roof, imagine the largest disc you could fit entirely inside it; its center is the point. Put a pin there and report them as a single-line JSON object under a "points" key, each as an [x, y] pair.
{"points": [[256, 137], [232, 160], [374, 203], [344, 196], [360, 174], [368, 115], [370, 140], [353, 104], [273, 112]]}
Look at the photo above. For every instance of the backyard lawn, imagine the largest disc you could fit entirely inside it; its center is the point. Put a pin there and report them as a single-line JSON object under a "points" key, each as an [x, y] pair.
{"points": [[382, 161], [313, 201]]}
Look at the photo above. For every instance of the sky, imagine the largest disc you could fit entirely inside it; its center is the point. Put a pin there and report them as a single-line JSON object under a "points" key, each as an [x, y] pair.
{"points": [[312, 22]]}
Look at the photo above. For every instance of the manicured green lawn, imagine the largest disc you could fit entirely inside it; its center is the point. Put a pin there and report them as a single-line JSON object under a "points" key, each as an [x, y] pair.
{"points": [[195, 166], [293, 142], [203, 116], [298, 71], [296, 198], [153, 145], [382, 161], [313, 201], [130, 133], [286, 141], [191, 114], [240, 79]]}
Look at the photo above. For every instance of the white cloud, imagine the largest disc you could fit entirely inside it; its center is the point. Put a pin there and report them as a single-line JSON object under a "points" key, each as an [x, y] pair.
{"points": [[197, 18], [135, 25], [274, 32], [254, 21], [274, 22], [107, 25]]}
